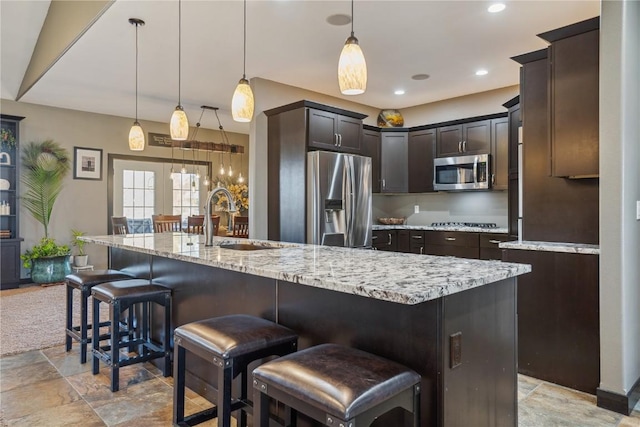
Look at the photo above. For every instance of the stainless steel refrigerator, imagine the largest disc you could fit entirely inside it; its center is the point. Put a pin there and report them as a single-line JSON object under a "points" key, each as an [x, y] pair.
{"points": [[338, 199]]}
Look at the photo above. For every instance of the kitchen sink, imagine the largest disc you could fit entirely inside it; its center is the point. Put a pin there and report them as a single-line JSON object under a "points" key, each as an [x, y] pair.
{"points": [[246, 246]]}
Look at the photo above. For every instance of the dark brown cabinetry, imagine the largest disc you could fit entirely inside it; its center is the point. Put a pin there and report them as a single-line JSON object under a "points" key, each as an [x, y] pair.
{"points": [[422, 146], [500, 154], [10, 214], [417, 242], [332, 131], [394, 149], [489, 248], [289, 130], [574, 99], [404, 241], [515, 128], [371, 148], [558, 321], [452, 243], [464, 139], [384, 240]]}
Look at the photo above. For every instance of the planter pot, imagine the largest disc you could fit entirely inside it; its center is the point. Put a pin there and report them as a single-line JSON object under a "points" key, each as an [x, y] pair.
{"points": [[50, 269], [80, 260]]}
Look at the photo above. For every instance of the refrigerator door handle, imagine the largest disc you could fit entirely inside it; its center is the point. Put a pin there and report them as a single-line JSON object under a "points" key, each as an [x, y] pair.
{"points": [[349, 202]]}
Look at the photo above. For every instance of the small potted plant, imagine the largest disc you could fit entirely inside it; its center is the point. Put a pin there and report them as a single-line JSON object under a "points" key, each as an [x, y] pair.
{"points": [[48, 261], [80, 259], [7, 139]]}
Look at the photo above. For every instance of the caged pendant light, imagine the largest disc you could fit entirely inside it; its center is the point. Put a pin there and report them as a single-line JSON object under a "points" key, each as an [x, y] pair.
{"points": [[179, 125], [136, 134], [242, 101], [352, 67]]}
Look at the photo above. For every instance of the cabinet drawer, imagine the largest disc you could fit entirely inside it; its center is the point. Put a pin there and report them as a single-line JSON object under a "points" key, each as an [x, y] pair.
{"points": [[448, 250], [451, 238], [384, 240], [493, 240]]}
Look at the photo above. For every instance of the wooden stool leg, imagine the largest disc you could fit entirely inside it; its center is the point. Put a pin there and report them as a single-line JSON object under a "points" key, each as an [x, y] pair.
{"points": [[224, 396], [260, 409], [178, 384], [167, 336], [131, 330], [242, 416], [416, 406], [69, 316], [84, 301], [114, 315], [95, 342]]}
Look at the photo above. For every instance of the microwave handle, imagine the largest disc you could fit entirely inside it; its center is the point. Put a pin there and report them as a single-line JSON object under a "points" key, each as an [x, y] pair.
{"points": [[475, 170]]}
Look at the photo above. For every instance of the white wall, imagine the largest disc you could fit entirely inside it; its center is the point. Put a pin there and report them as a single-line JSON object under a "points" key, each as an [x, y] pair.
{"points": [[82, 204], [619, 191]]}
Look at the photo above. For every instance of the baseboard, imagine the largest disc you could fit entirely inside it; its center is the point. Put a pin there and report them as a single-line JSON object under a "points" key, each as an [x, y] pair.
{"points": [[620, 403]]}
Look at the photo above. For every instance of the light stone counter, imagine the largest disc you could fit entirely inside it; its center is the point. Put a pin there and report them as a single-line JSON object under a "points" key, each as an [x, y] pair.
{"points": [[396, 277], [573, 248], [441, 228]]}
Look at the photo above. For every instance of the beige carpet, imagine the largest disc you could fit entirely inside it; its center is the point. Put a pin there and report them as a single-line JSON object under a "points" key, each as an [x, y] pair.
{"points": [[33, 318]]}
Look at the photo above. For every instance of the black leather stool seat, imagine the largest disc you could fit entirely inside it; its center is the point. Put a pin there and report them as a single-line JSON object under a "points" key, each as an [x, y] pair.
{"points": [[231, 343], [336, 385], [122, 296], [84, 281]]}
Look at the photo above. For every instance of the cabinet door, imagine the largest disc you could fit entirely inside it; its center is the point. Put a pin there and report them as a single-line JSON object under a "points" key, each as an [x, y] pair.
{"points": [[10, 271], [349, 132], [574, 105], [500, 154], [422, 146], [321, 130], [371, 148], [384, 240], [489, 245], [404, 241], [476, 137], [449, 141], [417, 242], [393, 162]]}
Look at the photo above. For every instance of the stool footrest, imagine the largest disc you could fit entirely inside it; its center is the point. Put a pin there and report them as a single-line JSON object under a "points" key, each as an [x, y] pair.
{"points": [[211, 413]]}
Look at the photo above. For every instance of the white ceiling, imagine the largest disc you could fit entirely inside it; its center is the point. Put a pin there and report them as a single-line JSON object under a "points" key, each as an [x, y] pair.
{"points": [[288, 41]]}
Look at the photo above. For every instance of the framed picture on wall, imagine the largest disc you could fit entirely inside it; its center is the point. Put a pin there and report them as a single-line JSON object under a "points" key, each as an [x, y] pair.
{"points": [[87, 163]]}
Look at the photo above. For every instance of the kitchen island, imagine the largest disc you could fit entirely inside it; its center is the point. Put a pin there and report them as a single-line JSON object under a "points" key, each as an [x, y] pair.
{"points": [[452, 320]]}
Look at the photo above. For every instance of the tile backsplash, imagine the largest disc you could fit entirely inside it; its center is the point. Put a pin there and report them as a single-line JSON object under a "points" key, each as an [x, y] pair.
{"points": [[470, 206]]}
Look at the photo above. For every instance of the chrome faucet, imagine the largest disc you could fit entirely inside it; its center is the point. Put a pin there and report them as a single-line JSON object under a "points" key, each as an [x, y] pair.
{"points": [[208, 223]]}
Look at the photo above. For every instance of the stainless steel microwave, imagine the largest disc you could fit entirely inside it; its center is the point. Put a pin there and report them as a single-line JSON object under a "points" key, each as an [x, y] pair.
{"points": [[461, 173]]}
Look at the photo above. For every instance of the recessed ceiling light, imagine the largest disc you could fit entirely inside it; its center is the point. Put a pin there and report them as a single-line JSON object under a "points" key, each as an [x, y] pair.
{"points": [[339, 19], [496, 7], [399, 92], [482, 73], [420, 76]]}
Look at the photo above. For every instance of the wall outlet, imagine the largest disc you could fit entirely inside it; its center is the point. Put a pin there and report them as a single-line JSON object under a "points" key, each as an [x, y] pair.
{"points": [[638, 209], [416, 208]]}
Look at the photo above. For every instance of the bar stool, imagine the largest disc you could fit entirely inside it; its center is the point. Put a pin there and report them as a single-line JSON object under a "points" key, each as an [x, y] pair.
{"points": [[121, 296], [335, 385], [84, 281], [231, 343]]}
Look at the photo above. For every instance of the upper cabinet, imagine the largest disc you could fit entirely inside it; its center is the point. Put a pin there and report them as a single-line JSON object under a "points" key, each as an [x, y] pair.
{"points": [[371, 148], [500, 153], [333, 131], [421, 150], [394, 149], [464, 139], [573, 99]]}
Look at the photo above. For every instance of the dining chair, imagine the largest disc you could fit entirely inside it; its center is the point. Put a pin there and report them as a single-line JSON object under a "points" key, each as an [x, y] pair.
{"points": [[195, 224], [164, 223], [119, 225], [241, 226]]}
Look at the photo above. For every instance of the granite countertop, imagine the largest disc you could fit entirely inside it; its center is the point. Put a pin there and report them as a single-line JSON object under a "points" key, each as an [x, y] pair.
{"points": [[573, 248], [397, 277], [442, 228]]}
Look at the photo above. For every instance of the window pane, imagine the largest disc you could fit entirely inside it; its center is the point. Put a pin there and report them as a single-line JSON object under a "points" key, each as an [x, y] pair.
{"points": [[127, 197], [127, 179]]}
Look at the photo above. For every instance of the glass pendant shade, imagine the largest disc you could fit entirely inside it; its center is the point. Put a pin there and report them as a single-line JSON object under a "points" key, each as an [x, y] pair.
{"points": [[242, 102], [179, 125], [352, 68], [240, 178], [136, 137]]}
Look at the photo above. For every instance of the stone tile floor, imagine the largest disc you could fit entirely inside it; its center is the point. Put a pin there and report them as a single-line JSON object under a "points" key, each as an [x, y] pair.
{"points": [[51, 388]]}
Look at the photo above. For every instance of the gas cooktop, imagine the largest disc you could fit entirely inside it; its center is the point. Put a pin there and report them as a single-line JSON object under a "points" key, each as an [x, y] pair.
{"points": [[465, 224]]}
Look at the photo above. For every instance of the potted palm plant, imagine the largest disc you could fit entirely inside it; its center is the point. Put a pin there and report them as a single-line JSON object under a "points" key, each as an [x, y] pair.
{"points": [[44, 167], [80, 259]]}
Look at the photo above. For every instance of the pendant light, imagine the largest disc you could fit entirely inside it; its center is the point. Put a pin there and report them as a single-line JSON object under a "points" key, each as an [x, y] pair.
{"points": [[179, 125], [352, 67], [242, 101], [136, 134], [240, 177]]}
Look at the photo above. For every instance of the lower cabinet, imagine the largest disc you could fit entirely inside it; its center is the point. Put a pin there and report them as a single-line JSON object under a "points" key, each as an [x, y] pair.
{"points": [[384, 240], [558, 318], [489, 246], [452, 243], [10, 271]]}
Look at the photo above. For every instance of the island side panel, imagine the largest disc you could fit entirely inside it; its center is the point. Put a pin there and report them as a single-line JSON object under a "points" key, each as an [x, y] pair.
{"points": [[482, 389], [408, 334]]}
